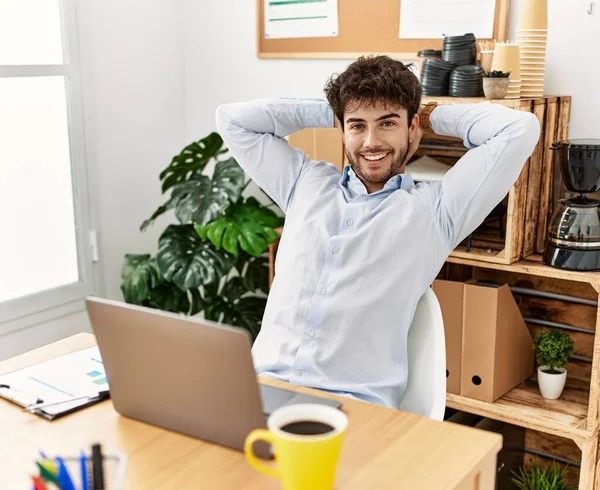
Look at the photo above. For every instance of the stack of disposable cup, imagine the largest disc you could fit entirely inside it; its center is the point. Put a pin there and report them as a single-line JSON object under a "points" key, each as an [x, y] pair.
{"points": [[532, 36], [506, 59]]}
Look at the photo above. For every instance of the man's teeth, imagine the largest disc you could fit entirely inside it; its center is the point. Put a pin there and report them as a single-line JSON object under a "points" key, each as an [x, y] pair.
{"points": [[373, 158]]}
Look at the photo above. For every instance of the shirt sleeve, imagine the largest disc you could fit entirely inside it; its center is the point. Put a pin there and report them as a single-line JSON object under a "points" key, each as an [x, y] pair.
{"points": [[500, 141], [254, 132]]}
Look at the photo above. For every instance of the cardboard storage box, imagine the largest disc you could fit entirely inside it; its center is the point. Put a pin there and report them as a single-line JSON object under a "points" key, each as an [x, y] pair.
{"points": [[320, 144], [451, 296], [496, 347]]}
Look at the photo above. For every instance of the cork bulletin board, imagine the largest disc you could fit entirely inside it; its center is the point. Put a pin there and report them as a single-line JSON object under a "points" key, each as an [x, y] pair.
{"points": [[365, 26]]}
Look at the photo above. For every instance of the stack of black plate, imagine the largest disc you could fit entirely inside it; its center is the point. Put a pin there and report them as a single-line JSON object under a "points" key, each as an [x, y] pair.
{"points": [[466, 81], [460, 50], [435, 75]]}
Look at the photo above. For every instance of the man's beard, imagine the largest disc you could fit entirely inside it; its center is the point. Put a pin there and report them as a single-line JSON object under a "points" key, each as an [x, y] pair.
{"points": [[377, 176]]}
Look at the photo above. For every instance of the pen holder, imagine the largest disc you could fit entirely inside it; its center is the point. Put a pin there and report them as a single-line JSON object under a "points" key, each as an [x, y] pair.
{"points": [[115, 466]]}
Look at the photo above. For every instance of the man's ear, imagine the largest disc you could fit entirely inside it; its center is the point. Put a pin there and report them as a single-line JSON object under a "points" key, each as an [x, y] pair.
{"points": [[416, 120]]}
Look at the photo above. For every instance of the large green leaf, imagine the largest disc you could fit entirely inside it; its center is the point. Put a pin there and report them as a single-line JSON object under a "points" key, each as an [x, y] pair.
{"points": [[187, 260], [201, 199], [233, 308], [192, 159], [139, 275], [247, 224], [169, 297], [198, 303]]}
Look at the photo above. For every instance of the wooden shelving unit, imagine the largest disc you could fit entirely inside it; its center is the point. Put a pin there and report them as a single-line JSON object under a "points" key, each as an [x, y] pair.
{"points": [[574, 415], [529, 202]]}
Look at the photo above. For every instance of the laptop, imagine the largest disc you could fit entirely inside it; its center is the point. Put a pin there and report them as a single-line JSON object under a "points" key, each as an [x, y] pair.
{"points": [[185, 374]]}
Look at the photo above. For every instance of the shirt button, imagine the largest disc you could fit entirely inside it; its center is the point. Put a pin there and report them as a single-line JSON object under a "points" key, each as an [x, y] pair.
{"points": [[323, 291], [311, 334], [349, 222], [336, 250], [298, 372], [365, 198]]}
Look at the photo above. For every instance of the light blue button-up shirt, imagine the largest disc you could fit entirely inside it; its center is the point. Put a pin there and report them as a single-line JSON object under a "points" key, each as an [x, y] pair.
{"points": [[351, 266]]}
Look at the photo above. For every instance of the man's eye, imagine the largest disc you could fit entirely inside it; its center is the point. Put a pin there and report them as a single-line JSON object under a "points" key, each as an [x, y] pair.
{"points": [[389, 123], [356, 126]]}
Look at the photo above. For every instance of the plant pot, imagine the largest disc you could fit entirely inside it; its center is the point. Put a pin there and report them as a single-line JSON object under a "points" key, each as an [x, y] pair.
{"points": [[551, 385], [495, 87]]}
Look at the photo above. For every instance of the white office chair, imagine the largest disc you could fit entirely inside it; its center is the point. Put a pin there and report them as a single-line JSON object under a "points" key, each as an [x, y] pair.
{"points": [[426, 385]]}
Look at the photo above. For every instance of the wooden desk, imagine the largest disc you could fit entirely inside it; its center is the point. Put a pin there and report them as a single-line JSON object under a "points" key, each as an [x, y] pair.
{"points": [[383, 449]]}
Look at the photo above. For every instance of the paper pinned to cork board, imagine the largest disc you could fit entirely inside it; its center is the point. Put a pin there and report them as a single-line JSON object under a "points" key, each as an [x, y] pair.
{"points": [[301, 18], [435, 19]]}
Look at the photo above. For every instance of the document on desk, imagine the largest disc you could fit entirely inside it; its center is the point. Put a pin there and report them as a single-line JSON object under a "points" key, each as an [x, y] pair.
{"points": [[74, 375]]}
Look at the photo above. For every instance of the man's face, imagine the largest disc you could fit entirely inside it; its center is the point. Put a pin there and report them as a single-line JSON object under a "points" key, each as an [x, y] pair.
{"points": [[376, 139]]}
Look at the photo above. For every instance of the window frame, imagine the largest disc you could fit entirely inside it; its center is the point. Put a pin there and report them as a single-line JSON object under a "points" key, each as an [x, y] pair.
{"points": [[46, 305]]}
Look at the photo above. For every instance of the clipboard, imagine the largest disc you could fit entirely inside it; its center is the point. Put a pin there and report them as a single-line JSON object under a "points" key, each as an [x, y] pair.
{"points": [[75, 375]]}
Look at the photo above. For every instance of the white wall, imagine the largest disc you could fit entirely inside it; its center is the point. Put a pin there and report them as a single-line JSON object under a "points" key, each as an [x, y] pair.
{"points": [[35, 336], [132, 58]]}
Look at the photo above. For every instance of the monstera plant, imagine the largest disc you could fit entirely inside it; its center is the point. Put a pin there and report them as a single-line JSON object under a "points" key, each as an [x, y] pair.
{"points": [[214, 260]]}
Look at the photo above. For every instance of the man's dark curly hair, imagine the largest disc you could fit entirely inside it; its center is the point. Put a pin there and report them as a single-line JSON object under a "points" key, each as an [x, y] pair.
{"points": [[373, 79]]}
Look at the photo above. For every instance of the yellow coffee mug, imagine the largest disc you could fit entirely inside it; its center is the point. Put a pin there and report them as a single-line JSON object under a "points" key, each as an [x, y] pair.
{"points": [[307, 440]]}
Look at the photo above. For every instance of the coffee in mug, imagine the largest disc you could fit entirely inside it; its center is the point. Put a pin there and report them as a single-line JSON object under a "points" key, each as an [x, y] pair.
{"points": [[306, 440]]}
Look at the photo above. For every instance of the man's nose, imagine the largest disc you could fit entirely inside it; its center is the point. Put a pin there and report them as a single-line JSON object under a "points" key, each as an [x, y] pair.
{"points": [[372, 139]]}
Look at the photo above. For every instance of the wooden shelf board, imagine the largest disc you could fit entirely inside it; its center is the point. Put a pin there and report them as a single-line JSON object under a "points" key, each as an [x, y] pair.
{"points": [[445, 100], [478, 256], [532, 265], [525, 407]]}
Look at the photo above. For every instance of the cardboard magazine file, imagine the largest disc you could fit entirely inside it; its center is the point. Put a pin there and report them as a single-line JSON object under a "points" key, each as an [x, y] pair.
{"points": [[450, 295], [497, 348]]}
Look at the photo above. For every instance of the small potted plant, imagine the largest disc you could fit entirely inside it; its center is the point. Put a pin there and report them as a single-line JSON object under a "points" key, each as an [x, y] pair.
{"points": [[553, 349], [552, 477], [495, 84]]}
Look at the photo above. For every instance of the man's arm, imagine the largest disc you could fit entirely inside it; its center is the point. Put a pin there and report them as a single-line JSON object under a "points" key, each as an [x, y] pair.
{"points": [[254, 131], [501, 140]]}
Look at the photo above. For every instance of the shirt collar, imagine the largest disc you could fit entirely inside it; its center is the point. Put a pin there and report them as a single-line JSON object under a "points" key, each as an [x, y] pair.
{"points": [[398, 181]]}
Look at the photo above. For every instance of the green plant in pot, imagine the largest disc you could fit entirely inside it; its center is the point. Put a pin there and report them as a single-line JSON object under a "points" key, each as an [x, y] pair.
{"points": [[552, 477], [495, 84], [214, 259], [553, 349]]}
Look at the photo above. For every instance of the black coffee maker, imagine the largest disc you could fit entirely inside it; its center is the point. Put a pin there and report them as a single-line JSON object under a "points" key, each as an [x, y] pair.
{"points": [[573, 239]]}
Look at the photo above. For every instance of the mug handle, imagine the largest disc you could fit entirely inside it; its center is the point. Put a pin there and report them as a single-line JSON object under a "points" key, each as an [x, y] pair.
{"points": [[259, 435]]}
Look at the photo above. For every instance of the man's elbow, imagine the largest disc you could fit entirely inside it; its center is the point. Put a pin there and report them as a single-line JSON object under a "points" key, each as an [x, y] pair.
{"points": [[530, 131], [223, 118]]}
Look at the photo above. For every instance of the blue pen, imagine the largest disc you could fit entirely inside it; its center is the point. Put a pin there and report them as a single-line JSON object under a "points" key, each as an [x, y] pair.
{"points": [[83, 468], [64, 479]]}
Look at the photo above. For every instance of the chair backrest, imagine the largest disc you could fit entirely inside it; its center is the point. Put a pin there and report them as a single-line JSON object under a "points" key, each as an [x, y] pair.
{"points": [[426, 385]]}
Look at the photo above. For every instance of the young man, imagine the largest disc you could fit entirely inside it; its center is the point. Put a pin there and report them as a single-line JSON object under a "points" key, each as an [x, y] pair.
{"points": [[360, 249]]}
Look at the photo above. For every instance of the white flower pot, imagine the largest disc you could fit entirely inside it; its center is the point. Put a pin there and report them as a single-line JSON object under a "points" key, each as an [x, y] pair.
{"points": [[551, 385]]}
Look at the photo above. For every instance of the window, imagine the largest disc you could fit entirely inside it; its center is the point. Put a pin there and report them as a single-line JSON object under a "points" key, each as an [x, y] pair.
{"points": [[43, 227]]}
